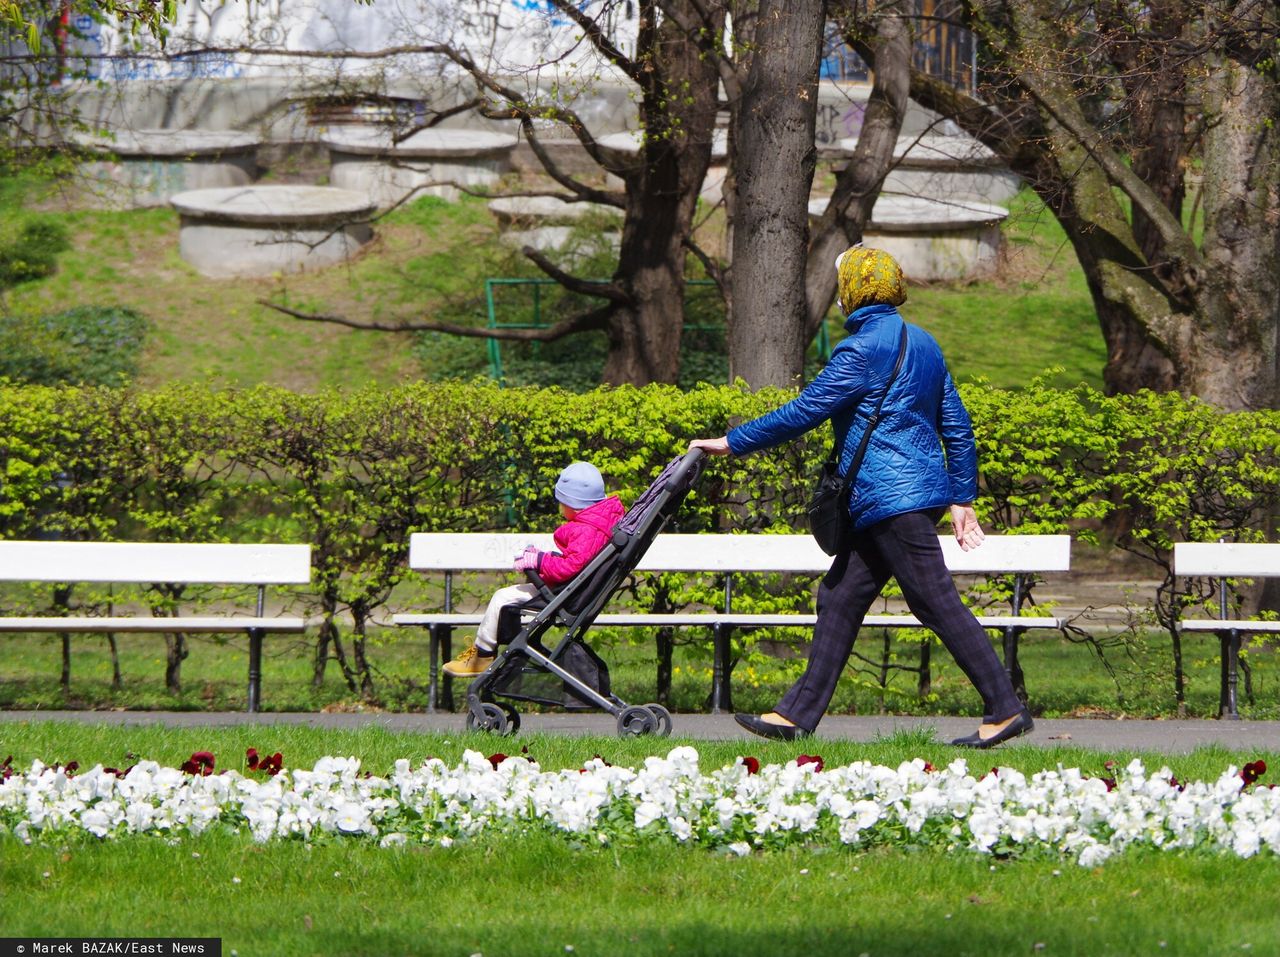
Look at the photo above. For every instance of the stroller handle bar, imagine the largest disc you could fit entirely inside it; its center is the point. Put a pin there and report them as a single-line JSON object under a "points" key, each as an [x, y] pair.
{"points": [[688, 463]]}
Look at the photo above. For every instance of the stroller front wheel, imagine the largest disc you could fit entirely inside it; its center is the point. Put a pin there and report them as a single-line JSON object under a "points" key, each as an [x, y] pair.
{"points": [[513, 717], [487, 716]]}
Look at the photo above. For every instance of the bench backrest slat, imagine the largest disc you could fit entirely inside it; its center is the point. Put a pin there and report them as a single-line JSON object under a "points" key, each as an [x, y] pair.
{"points": [[479, 551], [155, 562], [1226, 559]]}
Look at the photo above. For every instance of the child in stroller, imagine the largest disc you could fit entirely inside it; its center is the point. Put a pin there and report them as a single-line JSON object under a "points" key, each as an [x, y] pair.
{"points": [[590, 518], [571, 674]]}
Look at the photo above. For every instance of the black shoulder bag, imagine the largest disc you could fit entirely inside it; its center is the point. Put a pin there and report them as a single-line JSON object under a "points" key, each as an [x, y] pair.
{"points": [[828, 509]]}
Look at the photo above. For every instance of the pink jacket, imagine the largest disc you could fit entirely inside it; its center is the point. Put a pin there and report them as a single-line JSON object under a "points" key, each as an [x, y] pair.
{"points": [[580, 539]]}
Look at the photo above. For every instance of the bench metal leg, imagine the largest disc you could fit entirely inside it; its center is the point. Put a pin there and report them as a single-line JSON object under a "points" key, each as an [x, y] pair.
{"points": [[441, 650], [255, 669], [721, 691], [1011, 663], [1227, 710]]}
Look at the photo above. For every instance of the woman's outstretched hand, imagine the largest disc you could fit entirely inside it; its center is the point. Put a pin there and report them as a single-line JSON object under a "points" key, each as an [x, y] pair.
{"points": [[718, 446], [964, 522]]}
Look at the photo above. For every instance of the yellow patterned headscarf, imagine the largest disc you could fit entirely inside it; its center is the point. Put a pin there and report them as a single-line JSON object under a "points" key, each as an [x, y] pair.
{"points": [[867, 277]]}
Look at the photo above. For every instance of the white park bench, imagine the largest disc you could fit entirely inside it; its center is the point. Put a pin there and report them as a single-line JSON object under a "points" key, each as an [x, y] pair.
{"points": [[1222, 561], [161, 563], [1022, 556]]}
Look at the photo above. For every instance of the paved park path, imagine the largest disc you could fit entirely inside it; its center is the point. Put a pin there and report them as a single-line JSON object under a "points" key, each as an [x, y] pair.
{"points": [[1170, 737]]}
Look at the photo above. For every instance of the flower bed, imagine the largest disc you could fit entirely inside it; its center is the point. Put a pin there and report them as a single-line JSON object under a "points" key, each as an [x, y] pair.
{"points": [[737, 808]]}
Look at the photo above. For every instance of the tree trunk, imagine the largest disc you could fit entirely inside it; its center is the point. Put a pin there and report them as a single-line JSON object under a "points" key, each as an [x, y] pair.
{"points": [[858, 184], [678, 110], [1236, 367], [176, 652], [774, 122], [61, 602], [117, 682], [1201, 317], [330, 636]]}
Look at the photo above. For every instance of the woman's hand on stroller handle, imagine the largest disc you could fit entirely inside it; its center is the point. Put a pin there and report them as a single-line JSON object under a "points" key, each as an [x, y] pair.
{"points": [[718, 446]]}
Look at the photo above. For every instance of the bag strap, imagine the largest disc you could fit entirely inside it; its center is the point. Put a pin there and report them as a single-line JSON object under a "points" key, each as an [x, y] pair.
{"points": [[858, 456]]}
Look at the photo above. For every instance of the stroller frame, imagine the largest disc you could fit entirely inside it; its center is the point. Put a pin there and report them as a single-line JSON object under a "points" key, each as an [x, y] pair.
{"points": [[574, 607]]}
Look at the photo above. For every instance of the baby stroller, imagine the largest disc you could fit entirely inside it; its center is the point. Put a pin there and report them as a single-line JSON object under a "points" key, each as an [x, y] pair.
{"points": [[570, 674]]}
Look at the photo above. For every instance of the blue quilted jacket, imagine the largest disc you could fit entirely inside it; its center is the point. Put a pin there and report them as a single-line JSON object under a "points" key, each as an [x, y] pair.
{"points": [[920, 456]]}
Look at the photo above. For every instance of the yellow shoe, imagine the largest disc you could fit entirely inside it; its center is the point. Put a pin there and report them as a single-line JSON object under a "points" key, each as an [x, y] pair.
{"points": [[468, 664]]}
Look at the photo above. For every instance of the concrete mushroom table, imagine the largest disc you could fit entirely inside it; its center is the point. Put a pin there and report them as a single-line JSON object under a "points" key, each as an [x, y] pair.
{"points": [[261, 230], [430, 162], [933, 240], [934, 166], [547, 223], [145, 167]]}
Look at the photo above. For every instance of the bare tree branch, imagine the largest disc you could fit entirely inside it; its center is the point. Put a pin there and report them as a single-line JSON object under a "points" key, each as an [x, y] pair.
{"points": [[590, 320], [597, 290]]}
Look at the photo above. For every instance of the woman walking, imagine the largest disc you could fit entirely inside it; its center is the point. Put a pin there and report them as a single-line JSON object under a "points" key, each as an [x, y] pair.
{"points": [[920, 462]]}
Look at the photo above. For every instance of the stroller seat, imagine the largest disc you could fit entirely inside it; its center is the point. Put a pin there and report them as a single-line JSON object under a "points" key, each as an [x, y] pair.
{"points": [[546, 659]]}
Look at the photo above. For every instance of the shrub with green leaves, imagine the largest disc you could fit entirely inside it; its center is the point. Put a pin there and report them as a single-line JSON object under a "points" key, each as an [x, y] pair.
{"points": [[354, 474], [89, 345], [33, 253]]}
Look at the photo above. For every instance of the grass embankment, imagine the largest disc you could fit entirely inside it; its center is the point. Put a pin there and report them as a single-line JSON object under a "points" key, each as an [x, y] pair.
{"points": [[543, 895], [430, 259]]}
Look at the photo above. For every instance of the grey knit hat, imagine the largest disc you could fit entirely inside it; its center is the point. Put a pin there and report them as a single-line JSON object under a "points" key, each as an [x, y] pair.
{"points": [[580, 485]]}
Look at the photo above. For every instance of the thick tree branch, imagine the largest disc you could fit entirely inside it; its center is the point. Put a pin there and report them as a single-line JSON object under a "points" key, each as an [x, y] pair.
{"points": [[731, 74], [591, 29], [583, 322], [597, 290]]}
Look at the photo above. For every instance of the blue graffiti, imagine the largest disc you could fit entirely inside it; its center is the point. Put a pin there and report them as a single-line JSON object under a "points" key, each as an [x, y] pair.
{"points": [[548, 9]]}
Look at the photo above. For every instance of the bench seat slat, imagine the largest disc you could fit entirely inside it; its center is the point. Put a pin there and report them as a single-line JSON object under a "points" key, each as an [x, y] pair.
{"points": [[209, 624], [711, 618]]}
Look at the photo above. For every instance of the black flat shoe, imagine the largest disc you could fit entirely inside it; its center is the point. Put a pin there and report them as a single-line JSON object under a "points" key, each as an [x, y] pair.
{"points": [[766, 729], [1018, 726]]}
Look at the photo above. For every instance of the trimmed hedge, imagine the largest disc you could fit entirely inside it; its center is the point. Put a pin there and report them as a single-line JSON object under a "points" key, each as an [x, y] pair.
{"points": [[354, 473]]}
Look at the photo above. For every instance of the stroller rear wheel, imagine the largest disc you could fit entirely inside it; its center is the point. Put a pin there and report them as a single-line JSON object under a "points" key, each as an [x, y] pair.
{"points": [[637, 720], [663, 718], [487, 716]]}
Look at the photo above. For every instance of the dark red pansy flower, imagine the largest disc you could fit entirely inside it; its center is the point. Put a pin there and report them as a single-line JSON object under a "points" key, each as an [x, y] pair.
{"points": [[753, 765], [928, 766], [1252, 771], [256, 762], [496, 759], [200, 763], [71, 768], [1110, 783], [6, 768], [813, 759]]}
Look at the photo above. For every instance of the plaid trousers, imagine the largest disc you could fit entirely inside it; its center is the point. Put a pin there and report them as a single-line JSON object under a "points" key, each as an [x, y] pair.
{"points": [[904, 547]]}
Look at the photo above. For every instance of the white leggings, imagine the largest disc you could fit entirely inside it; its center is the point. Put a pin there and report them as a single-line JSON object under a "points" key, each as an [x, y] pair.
{"points": [[487, 633]]}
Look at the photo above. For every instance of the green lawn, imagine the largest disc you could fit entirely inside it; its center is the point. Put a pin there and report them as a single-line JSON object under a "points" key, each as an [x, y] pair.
{"points": [[541, 894], [1064, 678]]}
